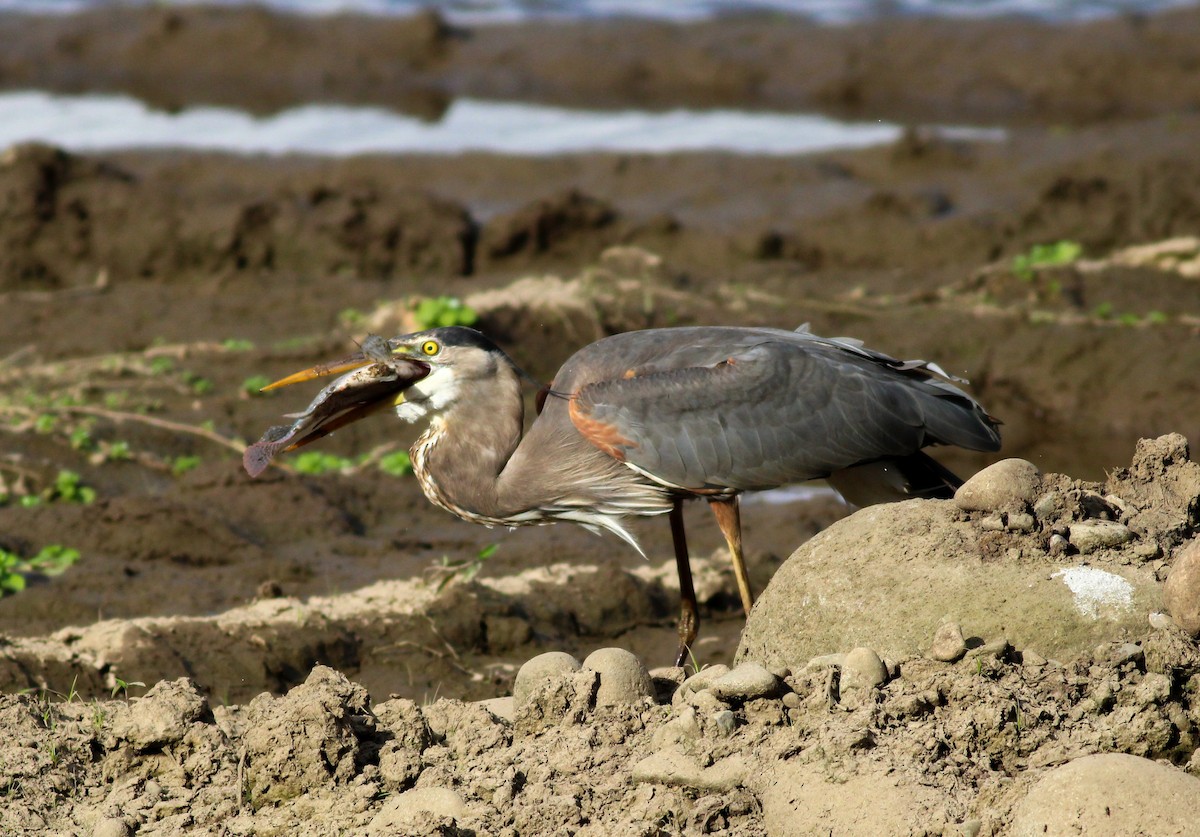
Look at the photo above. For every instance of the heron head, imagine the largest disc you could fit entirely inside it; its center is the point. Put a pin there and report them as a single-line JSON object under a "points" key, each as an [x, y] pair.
{"points": [[418, 373]]}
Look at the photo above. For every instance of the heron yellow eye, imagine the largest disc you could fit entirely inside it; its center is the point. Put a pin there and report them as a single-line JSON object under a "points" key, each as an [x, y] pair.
{"points": [[430, 347]]}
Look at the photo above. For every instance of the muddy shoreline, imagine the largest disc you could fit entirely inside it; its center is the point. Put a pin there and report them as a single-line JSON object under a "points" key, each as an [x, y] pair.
{"points": [[143, 294]]}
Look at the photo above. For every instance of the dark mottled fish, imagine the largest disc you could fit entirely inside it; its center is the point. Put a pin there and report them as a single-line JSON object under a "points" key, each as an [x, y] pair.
{"points": [[376, 380]]}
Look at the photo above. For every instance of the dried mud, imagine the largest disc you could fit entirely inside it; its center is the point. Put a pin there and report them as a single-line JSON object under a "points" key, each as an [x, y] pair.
{"points": [[140, 293]]}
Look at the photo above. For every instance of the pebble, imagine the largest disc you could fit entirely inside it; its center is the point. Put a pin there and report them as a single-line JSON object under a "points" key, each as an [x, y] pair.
{"points": [[1020, 522], [948, 644], [111, 827], [504, 708], [623, 678], [538, 670], [746, 682], [827, 661], [704, 677], [997, 648], [682, 728], [1032, 658], [1048, 505], [1090, 535], [1008, 484], [725, 722], [992, 523], [1162, 622], [1059, 545], [1181, 593], [862, 672]]}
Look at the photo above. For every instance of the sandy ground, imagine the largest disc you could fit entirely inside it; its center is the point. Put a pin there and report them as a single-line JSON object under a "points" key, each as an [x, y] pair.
{"points": [[141, 293]]}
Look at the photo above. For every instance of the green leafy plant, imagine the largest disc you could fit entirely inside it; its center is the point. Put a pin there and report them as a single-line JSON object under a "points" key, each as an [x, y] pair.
{"points": [[1045, 255], [180, 465], [122, 686], [440, 311], [319, 462], [464, 570], [397, 464], [254, 383], [68, 487], [51, 560], [234, 344]]}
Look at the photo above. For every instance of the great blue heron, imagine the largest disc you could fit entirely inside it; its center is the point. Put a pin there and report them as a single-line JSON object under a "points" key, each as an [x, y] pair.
{"points": [[636, 423]]}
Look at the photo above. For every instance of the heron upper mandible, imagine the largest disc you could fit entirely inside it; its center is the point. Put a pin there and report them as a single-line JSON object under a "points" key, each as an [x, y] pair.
{"points": [[636, 423]]}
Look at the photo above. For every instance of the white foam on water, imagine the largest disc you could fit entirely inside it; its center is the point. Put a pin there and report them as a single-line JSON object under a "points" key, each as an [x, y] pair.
{"points": [[1095, 590], [95, 123]]}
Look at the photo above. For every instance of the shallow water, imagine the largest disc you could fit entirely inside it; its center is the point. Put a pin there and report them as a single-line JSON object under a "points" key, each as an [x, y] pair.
{"points": [[824, 11], [95, 123]]}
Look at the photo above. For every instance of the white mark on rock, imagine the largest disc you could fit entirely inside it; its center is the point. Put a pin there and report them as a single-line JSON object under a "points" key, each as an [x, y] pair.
{"points": [[1095, 589]]}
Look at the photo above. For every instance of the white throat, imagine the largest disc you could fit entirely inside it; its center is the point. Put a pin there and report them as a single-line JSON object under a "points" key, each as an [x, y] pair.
{"points": [[431, 394]]}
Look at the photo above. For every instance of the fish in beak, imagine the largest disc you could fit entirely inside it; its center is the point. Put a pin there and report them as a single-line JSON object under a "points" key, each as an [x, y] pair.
{"points": [[373, 379]]}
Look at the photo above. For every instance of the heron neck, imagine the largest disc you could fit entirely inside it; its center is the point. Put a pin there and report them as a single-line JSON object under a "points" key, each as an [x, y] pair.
{"points": [[460, 457]]}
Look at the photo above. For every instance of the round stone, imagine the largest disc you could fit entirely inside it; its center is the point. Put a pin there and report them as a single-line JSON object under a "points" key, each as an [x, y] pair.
{"points": [[1181, 592], [623, 678], [1006, 485], [540, 669], [747, 681], [862, 671], [1090, 535], [1109, 795], [948, 644]]}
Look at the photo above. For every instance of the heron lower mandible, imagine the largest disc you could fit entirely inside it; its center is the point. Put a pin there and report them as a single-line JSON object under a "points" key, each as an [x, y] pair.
{"points": [[636, 423]]}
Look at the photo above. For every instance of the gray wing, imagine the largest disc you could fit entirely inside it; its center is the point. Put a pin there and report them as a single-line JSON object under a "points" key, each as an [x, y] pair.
{"points": [[756, 408]]}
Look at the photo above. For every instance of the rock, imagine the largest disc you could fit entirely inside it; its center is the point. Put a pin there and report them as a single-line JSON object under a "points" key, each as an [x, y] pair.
{"points": [[1181, 592], [1010, 484], [725, 722], [1059, 545], [111, 827], [699, 682], [540, 669], [163, 715], [948, 644], [747, 681], [623, 678], [504, 708], [1020, 522], [1109, 795], [862, 673], [672, 766], [681, 729], [399, 812], [1090, 535], [846, 587]]}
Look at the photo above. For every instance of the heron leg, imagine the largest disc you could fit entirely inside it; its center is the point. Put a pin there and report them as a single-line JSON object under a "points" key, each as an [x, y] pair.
{"points": [[689, 615], [728, 513]]}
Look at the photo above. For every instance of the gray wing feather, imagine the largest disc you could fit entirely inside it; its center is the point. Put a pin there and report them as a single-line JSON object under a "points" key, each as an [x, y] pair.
{"points": [[756, 408]]}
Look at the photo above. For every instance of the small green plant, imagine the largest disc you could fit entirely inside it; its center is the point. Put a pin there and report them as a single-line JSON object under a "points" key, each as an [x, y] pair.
{"points": [[118, 451], [81, 439], [180, 465], [351, 317], [440, 311], [122, 686], [234, 344], [1045, 255], [319, 462], [397, 464], [51, 560], [198, 384], [254, 383], [68, 487], [1103, 311], [464, 570], [1156, 318], [162, 365], [45, 423]]}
